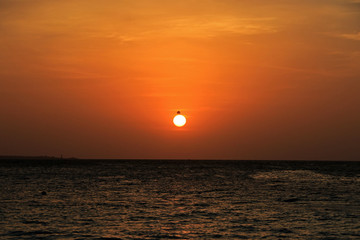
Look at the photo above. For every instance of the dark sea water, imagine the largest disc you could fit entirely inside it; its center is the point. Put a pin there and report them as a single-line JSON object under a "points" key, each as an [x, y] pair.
{"points": [[94, 199]]}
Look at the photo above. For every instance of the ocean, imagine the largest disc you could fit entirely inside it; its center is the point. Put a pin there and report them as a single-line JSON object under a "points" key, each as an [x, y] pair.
{"points": [[173, 199]]}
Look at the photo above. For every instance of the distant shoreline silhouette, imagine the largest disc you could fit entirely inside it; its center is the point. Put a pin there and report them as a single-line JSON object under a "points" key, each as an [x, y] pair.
{"points": [[14, 157]]}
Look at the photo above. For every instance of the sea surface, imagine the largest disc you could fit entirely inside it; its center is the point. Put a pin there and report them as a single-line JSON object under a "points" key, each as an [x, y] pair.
{"points": [[111, 199]]}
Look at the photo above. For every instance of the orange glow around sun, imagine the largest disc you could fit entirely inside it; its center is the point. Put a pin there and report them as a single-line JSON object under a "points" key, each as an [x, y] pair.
{"points": [[111, 76]]}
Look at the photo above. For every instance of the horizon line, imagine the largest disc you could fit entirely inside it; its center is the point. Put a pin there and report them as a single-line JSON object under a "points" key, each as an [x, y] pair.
{"points": [[45, 157]]}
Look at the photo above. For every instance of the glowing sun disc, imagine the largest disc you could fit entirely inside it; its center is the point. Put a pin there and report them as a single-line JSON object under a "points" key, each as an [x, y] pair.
{"points": [[179, 120]]}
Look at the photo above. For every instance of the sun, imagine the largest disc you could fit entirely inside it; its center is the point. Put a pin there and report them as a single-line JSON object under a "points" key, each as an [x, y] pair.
{"points": [[179, 120]]}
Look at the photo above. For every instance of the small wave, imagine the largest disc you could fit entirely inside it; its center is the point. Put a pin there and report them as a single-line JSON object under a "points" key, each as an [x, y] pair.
{"points": [[236, 236], [108, 238], [202, 205], [244, 227], [22, 233], [289, 200], [35, 222], [283, 230], [292, 175], [165, 236]]}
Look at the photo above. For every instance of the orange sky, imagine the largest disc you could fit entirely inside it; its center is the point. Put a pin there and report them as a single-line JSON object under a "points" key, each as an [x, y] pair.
{"points": [[256, 79]]}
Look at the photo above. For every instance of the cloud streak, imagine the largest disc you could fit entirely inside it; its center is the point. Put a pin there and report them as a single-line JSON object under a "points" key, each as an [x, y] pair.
{"points": [[355, 36]]}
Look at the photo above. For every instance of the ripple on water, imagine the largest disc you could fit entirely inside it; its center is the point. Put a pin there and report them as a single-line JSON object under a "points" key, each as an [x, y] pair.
{"points": [[180, 200]]}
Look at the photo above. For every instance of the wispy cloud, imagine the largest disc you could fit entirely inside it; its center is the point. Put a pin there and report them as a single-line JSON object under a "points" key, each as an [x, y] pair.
{"points": [[195, 27], [213, 26], [353, 36]]}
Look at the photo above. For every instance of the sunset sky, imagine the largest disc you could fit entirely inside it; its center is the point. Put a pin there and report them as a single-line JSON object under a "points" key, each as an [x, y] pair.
{"points": [[256, 79]]}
